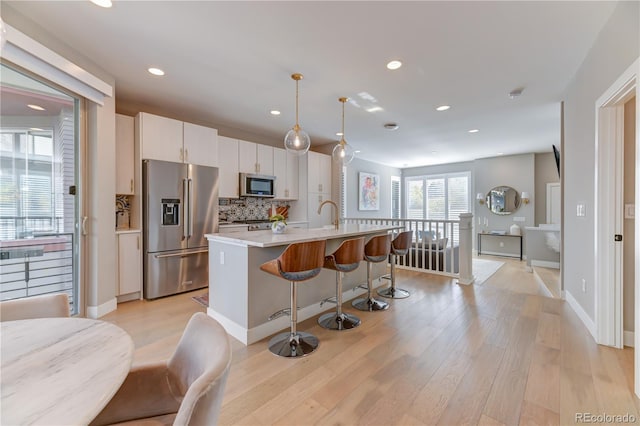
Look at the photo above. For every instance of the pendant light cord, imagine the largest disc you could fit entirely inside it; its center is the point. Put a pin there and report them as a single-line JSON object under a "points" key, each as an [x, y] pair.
{"points": [[297, 81]]}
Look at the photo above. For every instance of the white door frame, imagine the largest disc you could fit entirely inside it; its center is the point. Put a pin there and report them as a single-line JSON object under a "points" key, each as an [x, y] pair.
{"points": [[609, 213]]}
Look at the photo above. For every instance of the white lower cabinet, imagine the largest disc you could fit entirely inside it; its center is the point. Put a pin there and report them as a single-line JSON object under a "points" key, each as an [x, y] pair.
{"points": [[129, 263]]}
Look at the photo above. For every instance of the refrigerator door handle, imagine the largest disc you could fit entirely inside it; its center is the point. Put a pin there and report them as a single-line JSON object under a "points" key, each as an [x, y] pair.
{"points": [[186, 217], [190, 184]]}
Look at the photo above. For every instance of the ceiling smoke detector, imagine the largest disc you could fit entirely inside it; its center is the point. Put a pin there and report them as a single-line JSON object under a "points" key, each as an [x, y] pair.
{"points": [[515, 93], [391, 126]]}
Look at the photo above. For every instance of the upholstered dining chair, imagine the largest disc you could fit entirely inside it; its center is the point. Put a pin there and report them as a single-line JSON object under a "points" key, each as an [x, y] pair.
{"points": [[185, 390], [44, 306]]}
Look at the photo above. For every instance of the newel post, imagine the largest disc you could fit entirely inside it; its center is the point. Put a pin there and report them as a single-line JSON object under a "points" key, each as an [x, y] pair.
{"points": [[466, 228]]}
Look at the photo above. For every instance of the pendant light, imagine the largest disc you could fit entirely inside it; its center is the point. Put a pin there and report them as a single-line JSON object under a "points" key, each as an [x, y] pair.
{"points": [[343, 152], [297, 140]]}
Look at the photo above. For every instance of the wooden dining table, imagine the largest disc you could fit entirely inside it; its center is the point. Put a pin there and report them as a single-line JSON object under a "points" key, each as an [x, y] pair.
{"points": [[60, 371]]}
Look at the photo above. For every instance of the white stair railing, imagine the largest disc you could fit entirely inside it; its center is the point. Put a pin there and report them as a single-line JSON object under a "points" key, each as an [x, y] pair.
{"points": [[437, 247]]}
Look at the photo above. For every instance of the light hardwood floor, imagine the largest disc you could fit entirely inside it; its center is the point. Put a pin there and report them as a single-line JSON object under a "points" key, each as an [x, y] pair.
{"points": [[496, 354]]}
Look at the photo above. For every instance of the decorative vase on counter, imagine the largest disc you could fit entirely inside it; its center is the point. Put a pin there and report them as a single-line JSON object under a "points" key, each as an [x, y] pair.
{"points": [[278, 227], [514, 230]]}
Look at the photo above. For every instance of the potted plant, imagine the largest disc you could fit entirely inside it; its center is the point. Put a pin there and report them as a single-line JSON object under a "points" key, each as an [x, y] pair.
{"points": [[278, 223]]}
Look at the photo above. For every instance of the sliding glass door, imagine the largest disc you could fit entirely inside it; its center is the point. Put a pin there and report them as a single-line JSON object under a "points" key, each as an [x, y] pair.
{"points": [[39, 192]]}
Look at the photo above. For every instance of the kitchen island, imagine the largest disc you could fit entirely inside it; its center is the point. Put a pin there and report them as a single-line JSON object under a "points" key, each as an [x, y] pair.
{"points": [[241, 296]]}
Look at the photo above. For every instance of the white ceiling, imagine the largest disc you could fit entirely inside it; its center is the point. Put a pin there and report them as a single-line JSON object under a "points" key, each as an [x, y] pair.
{"points": [[228, 64]]}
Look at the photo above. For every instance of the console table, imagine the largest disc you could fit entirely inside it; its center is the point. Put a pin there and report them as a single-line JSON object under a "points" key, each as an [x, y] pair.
{"points": [[480, 235]]}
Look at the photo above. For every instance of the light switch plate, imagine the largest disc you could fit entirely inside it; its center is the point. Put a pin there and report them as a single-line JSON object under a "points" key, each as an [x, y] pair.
{"points": [[629, 211], [580, 210], [519, 219]]}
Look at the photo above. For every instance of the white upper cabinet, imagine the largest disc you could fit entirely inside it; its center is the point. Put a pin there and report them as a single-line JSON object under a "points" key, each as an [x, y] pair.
{"points": [[255, 158], [200, 145], [319, 173], [172, 140], [228, 178], [285, 169], [124, 155]]}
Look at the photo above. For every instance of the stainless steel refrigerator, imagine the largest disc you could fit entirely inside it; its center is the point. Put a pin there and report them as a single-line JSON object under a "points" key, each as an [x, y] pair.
{"points": [[180, 205]]}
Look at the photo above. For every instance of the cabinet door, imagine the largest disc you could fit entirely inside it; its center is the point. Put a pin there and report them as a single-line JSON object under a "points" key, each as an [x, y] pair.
{"points": [[293, 176], [247, 160], [313, 172], [324, 177], [129, 263], [228, 179], [324, 218], [264, 158], [124, 154], [200, 145], [280, 172], [161, 138]]}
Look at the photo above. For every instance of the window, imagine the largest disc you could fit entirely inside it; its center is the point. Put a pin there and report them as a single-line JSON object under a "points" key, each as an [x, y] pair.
{"points": [[395, 197], [436, 197]]}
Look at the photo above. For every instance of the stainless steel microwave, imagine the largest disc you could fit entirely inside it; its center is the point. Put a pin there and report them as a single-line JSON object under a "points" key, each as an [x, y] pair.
{"points": [[257, 185]]}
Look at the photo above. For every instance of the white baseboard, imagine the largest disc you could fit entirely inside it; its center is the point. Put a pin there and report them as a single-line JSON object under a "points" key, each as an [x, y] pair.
{"points": [[588, 322], [496, 253], [629, 338], [96, 312], [545, 264], [252, 335]]}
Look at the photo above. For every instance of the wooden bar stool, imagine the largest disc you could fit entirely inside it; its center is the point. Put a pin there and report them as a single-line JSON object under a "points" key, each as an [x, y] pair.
{"points": [[375, 251], [399, 247], [298, 262], [345, 259]]}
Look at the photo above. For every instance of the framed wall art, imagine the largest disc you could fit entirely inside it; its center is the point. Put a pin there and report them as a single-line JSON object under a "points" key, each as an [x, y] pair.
{"points": [[368, 191]]}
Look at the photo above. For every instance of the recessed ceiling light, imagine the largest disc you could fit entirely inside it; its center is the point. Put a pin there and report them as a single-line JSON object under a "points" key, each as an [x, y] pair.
{"points": [[474, 131], [443, 108], [36, 129], [394, 65], [36, 107], [500, 153], [391, 126], [102, 3], [357, 151], [156, 71], [274, 112], [374, 109], [339, 134]]}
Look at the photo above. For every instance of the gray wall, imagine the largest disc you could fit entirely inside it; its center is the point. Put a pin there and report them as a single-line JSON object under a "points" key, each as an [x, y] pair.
{"points": [[385, 172], [613, 52], [629, 224], [546, 172]]}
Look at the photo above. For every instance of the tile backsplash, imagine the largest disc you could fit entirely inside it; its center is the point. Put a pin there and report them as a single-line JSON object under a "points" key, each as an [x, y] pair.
{"points": [[249, 208], [123, 211]]}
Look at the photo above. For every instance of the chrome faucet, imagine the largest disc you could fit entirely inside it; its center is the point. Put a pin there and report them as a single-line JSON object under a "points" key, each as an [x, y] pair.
{"points": [[335, 222]]}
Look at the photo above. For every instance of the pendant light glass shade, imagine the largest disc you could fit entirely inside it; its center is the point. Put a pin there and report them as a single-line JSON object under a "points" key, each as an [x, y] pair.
{"points": [[297, 141], [343, 153]]}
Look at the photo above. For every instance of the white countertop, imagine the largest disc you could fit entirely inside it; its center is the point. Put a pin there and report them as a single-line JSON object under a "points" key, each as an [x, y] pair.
{"points": [[293, 235]]}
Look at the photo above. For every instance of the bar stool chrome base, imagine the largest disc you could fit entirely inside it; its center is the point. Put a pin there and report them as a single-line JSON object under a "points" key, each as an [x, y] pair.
{"points": [[370, 304], [335, 321], [291, 345], [393, 293]]}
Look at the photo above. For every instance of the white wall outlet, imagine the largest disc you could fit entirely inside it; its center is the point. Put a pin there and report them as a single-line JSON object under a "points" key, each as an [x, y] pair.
{"points": [[519, 219], [584, 285], [222, 258], [581, 210], [629, 211]]}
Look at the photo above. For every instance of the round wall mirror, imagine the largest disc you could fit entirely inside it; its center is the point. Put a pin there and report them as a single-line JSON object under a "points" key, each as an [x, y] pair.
{"points": [[503, 200]]}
